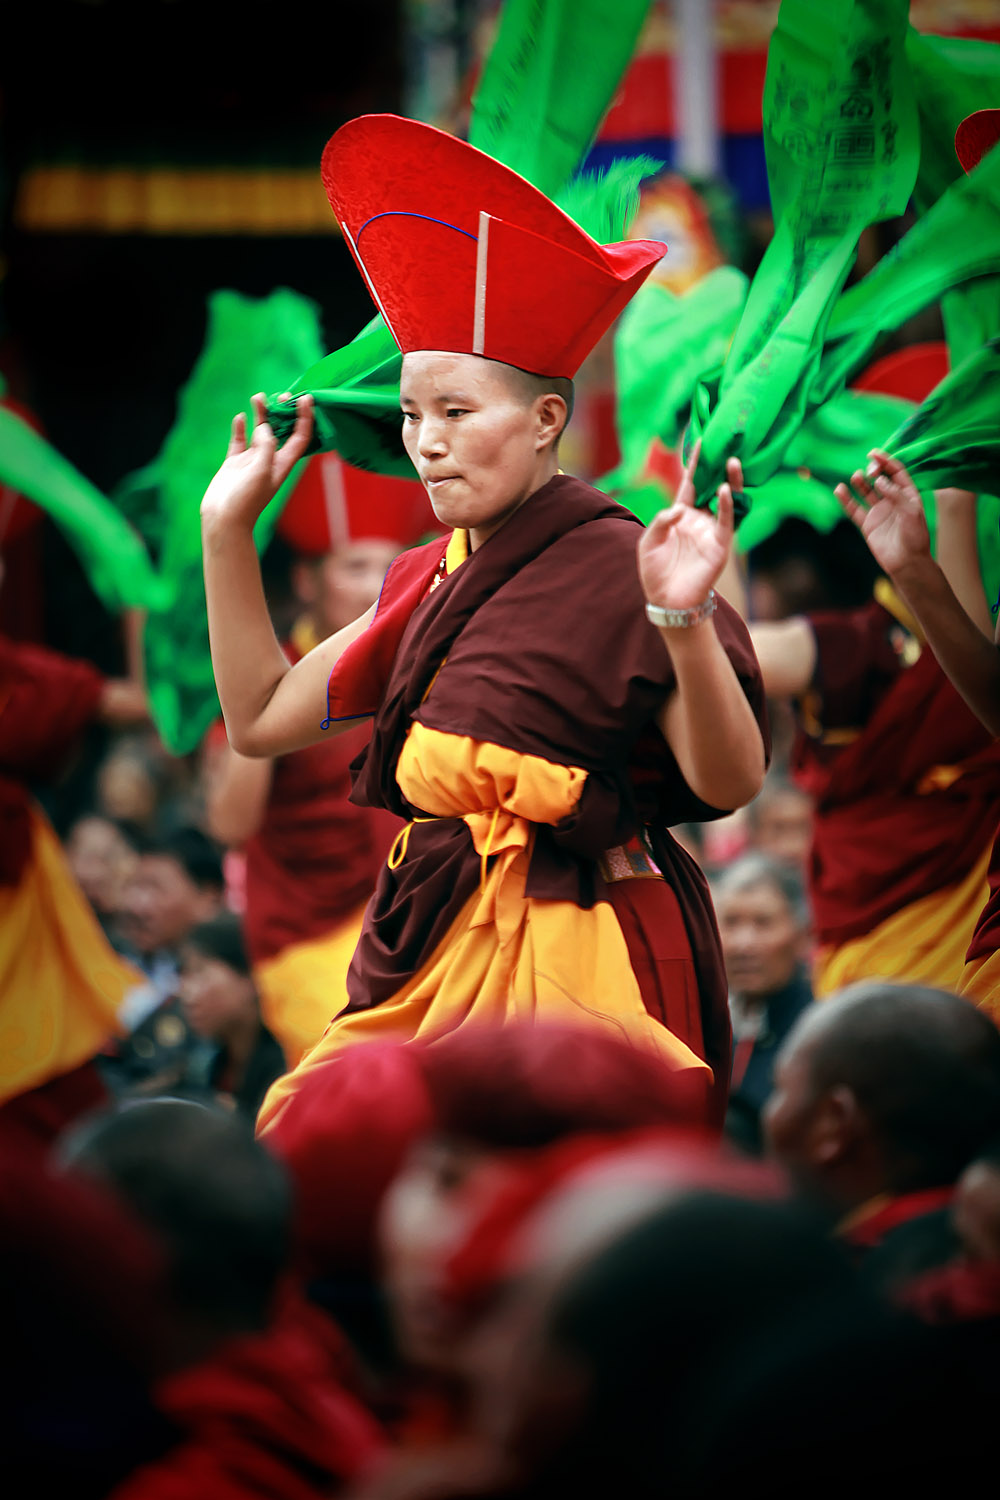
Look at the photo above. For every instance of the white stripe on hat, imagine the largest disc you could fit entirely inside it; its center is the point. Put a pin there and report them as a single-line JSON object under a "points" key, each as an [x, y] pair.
{"points": [[482, 253], [335, 503]]}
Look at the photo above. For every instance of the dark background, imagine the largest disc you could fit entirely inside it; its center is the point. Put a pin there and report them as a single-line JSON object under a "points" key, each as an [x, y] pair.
{"points": [[99, 331]]}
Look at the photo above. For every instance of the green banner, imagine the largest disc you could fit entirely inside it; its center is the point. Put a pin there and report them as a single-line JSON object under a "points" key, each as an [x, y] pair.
{"points": [[664, 344], [550, 75], [953, 438], [840, 134], [251, 344], [111, 551]]}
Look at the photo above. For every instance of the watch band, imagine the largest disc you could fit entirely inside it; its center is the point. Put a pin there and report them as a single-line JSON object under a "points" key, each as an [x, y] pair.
{"points": [[681, 619]]}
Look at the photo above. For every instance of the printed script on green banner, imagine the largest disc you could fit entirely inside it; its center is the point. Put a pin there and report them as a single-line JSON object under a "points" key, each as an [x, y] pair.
{"points": [[841, 139]]}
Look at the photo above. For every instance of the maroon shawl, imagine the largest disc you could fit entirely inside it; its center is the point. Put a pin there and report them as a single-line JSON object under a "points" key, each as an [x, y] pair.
{"points": [[546, 651]]}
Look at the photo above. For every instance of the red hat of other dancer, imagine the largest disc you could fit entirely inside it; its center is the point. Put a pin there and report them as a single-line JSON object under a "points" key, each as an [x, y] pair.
{"points": [[977, 134], [334, 504], [462, 254]]}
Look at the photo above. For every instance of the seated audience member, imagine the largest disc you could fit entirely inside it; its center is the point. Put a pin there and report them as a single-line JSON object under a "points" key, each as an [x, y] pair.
{"points": [[428, 1117], [253, 1378], [968, 1288], [129, 786], [83, 1327], [764, 924], [220, 1005], [102, 855], [497, 1096], [882, 1096], [177, 883], [779, 822], [710, 1344]]}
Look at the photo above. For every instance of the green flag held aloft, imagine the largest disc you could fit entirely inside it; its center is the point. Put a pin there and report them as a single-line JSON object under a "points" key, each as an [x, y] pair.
{"points": [[664, 344], [953, 438], [550, 76], [112, 553], [250, 344], [840, 134]]}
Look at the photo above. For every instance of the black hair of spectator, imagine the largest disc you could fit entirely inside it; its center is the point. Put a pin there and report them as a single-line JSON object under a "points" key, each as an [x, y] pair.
{"points": [[841, 562], [221, 937], [198, 855], [710, 1314], [923, 1064], [212, 1195]]}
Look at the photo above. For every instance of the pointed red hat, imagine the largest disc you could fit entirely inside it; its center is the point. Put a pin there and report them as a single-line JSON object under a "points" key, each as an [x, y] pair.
{"points": [[977, 134], [334, 504], [462, 254]]}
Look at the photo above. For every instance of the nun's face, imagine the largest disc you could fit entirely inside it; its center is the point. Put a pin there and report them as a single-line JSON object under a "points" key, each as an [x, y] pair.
{"points": [[479, 447], [435, 1200]]}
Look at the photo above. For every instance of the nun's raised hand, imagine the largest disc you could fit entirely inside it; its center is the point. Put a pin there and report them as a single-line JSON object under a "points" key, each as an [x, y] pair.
{"points": [[253, 472], [684, 549], [886, 507]]}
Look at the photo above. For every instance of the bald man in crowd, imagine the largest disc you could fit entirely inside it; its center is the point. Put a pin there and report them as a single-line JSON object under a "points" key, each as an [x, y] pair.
{"points": [[882, 1096]]}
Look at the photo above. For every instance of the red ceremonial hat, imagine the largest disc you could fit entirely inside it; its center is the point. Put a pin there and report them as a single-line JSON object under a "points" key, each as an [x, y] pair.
{"points": [[912, 372], [334, 504], [462, 254], [977, 134]]}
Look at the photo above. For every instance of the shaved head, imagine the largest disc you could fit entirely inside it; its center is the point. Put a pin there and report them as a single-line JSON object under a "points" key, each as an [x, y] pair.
{"points": [[529, 387], [922, 1065]]}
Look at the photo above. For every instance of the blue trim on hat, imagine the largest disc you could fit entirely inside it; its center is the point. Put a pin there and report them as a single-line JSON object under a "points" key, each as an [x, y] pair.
{"points": [[392, 213]]}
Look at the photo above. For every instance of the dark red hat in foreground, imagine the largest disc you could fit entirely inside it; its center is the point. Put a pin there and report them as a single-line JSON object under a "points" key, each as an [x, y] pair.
{"points": [[462, 254], [977, 134]]}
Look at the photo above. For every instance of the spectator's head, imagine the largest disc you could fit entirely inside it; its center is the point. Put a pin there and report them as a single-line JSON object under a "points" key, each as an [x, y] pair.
{"points": [[780, 822], [102, 856], [85, 1333], [216, 988], [798, 569], [343, 1139], [497, 1094], [129, 785], [346, 526], [884, 1088], [977, 1206], [337, 587], [626, 1372], [764, 924], [215, 1200], [177, 882]]}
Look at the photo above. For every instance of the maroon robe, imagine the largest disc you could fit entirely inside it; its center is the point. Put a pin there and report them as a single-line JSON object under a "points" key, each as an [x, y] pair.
{"points": [[546, 650], [892, 821]]}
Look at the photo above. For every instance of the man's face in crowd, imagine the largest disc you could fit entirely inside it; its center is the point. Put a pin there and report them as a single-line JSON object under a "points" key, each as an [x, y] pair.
{"points": [[472, 438], [161, 903], [101, 860], [784, 828], [762, 940], [215, 997], [789, 1113]]}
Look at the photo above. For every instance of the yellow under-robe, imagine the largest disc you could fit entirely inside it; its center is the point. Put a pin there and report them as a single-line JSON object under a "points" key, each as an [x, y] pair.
{"points": [[924, 943], [506, 956], [61, 982]]}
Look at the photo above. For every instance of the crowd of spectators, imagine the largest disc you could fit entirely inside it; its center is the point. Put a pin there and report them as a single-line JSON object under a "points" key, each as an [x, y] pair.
{"points": [[512, 1263]]}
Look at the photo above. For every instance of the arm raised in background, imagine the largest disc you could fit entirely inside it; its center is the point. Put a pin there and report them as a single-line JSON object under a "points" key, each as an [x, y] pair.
{"points": [[707, 720], [269, 706], [785, 649], [236, 793], [886, 508]]}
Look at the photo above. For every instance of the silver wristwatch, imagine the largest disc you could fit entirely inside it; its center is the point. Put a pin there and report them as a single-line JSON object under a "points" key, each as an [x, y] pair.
{"points": [[681, 619]]}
